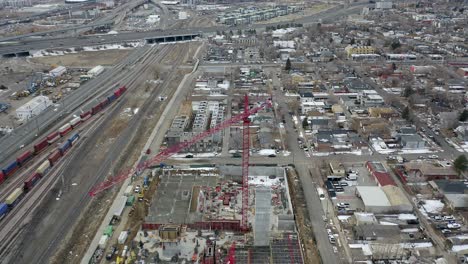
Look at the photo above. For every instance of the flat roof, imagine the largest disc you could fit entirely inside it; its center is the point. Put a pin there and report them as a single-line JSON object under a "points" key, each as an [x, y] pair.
{"points": [[373, 196]]}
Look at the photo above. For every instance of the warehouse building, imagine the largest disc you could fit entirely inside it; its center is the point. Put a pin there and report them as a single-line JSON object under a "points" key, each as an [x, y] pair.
{"points": [[33, 107], [375, 200], [397, 199]]}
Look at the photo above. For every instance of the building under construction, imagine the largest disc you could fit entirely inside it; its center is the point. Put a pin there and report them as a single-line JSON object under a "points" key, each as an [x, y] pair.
{"points": [[208, 200]]}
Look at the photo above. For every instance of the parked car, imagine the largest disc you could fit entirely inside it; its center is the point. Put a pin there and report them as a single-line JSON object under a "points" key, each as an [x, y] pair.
{"points": [[345, 205], [453, 225], [331, 239], [329, 231], [446, 231], [343, 184], [137, 189], [448, 217]]}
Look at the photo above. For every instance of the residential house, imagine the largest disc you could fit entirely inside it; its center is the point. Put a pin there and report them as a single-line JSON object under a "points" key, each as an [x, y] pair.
{"points": [[455, 192], [412, 142], [428, 171]]}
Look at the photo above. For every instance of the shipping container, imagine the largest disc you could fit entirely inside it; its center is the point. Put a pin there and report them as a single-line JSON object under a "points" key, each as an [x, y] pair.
{"points": [[75, 121], [128, 190], [74, 138], [121, 202], [14, 197], [53, 137], [31, 181], [40, 146], [3, 210], [95, 71], [96, 109], [63, 148], [130, 200], [117, 93], [85, 116], [65, 129], [23, 158], [2, 176], [111, 98], [44, 168], [10, 169], [103, 241], [104, 103], [54, 157], [109, 230]]}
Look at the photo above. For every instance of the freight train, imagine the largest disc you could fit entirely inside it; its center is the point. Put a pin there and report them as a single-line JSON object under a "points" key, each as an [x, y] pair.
{"points": [[52, 158]]}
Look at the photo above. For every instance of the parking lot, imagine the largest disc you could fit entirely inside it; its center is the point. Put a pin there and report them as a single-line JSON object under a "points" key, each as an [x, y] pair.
{"points": [[346, 201]]}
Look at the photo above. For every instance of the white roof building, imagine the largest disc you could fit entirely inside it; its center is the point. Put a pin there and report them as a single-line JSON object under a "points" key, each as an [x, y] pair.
{"points": [[33, 107], [375, 200]]}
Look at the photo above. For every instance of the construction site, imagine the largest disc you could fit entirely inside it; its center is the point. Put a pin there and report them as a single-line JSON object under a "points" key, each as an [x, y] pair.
{"points": [[201, 213], [203, 209]]}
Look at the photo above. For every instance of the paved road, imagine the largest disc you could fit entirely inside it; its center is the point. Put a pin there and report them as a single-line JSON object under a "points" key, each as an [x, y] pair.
{"points": [[107, 19], [68, 42]]}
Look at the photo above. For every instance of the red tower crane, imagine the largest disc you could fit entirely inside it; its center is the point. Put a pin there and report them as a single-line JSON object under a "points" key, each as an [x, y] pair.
{"points": [[163, 155]]}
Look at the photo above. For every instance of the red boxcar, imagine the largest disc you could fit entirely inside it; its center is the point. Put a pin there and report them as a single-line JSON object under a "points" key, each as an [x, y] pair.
{"points": [[96, 109], [31, 181], [40, 146], [23, 158], [2, 177], [65, 129], [53, 137], [54, 157], [85, 116]]}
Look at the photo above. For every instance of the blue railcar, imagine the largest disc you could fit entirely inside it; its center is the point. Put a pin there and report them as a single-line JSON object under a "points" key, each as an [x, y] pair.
{"points": [[10, 169], [64, 147], [74, 138], [3, 210]]}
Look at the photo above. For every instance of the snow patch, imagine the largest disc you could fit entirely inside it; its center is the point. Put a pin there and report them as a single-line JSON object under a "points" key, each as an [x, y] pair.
{"points": [[433, 206]]}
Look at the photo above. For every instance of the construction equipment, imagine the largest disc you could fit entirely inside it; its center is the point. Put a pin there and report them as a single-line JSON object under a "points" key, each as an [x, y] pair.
{"points": [[166, 153]]}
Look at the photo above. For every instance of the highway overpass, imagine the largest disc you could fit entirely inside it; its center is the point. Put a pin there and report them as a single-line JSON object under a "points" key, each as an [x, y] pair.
{"points": [[24, 47]]}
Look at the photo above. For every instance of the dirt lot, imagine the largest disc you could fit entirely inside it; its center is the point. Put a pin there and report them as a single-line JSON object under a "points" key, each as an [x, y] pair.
{"points": [[87, 59]]}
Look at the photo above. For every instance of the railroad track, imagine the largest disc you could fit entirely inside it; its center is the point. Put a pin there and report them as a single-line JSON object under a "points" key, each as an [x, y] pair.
{"points": [[148, 106], [21, 175], [130, 80], [101, 85]]}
